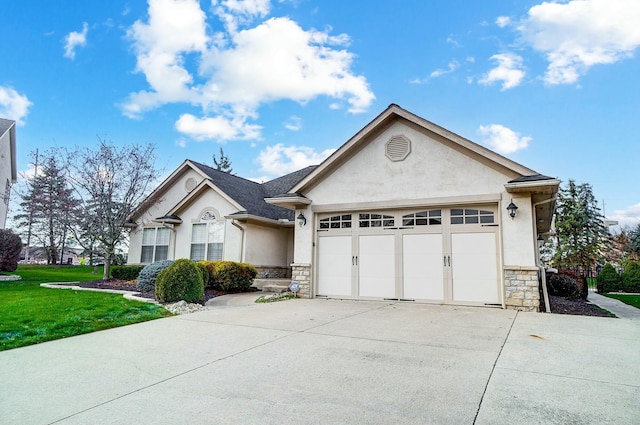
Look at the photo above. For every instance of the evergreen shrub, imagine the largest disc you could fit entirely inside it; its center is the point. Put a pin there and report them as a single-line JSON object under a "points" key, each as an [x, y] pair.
{"points": [[182, 280], [10, 248], [631, 277], [564, 285], [609, 280], [126, 272], [230, 276], [147, 277]]}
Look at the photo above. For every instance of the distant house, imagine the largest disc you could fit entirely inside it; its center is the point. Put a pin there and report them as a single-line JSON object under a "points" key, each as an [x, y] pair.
{"points": [[404, 210], [8, 165]]}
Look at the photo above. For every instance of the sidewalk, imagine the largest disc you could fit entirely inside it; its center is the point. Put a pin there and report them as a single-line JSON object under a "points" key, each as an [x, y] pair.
{"points": [[617, 307]]}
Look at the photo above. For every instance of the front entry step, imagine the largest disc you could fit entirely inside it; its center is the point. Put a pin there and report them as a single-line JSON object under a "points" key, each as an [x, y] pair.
{"points": [[271, 285]]}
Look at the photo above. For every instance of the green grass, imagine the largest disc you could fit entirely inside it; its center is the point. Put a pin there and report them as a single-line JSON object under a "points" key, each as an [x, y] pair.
{"points": [[633, 300], [30, 314], [592, 283]]}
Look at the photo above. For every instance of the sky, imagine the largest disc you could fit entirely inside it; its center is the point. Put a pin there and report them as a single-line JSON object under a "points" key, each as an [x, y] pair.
{"points": [[281, 84]]}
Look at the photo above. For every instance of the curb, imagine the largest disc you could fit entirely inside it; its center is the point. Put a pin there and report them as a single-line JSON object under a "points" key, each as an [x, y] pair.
{"points": [[130, 295]]}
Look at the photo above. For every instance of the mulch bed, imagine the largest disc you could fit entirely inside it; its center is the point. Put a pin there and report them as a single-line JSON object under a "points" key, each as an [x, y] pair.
{"points": [[123, 285], [580, 307]]}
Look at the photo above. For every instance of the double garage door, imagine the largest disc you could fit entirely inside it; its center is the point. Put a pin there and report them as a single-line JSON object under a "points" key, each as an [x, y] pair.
{"points": [[431, 255]]}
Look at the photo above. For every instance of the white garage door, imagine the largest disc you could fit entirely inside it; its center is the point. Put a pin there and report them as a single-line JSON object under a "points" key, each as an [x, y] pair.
{"points": [[431, 255]]}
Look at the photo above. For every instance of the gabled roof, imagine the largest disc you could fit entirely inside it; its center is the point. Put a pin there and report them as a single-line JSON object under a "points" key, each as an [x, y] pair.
{"points": [[9, 126], [387, 117]]}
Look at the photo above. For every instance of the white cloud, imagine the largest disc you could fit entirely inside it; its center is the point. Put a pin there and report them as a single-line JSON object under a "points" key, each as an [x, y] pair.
{"points": [[509, 71], [74, 40], [503, 21], [217, 128], [13, 105], [294, 123], [453, 42], [279, 159], [239, 69], [453, 65], [502, 139], [578, 34], [627, 217]]}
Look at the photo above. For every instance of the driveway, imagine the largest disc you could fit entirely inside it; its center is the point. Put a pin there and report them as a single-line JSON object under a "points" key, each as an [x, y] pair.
{"points": [[332, 362]]}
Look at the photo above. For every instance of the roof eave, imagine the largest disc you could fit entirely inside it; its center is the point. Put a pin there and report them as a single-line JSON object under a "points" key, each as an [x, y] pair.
{"points": [[256, 219], [291, 202]]}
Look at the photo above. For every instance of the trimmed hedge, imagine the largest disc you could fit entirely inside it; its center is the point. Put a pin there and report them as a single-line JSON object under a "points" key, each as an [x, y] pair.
{"points": [[230, 276], [204, 272], [631, 277], [609, 280], [147, 277], [182, 280], [564, 285], [126, 272]]}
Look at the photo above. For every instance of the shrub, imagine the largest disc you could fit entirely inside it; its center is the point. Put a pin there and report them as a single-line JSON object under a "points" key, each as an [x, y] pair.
{"points": [[562, 285], [631, 277], [10, 247], [581, 282], [230, 276], [182, 280], [147, 277], [609, 280], [126, 272], [204, 271]]}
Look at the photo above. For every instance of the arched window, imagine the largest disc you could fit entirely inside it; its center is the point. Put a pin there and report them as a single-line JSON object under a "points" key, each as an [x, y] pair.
{"points": [[207, 238]]}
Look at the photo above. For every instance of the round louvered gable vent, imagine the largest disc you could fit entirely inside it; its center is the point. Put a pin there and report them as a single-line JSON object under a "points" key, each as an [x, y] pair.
{"points": [[190, 184], [398, 148]]}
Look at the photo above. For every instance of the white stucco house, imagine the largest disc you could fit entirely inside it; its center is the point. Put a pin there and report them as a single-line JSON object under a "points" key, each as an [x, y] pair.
{"points": [[8, 165], [404, 210]]}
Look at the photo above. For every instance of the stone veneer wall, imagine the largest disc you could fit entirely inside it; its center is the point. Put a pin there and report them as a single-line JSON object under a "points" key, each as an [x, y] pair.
{"points": [[521, 288], [301, 273], [273, 272]]}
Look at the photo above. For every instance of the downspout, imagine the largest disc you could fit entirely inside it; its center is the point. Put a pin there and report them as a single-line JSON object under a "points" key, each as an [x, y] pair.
{"points": [[242, 243], [541, 269]]}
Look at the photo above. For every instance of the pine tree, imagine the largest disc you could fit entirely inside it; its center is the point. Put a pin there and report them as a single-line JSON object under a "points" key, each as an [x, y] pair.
{"points": [[580, 230], [223, 163]]}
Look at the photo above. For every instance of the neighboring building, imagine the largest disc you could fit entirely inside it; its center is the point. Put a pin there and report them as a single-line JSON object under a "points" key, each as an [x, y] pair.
{"points": [[8, 165], [404, 210]]}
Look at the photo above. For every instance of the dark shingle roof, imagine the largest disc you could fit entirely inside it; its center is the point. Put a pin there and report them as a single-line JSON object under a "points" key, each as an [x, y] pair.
{"points": [[250, 194], [533, 178]]}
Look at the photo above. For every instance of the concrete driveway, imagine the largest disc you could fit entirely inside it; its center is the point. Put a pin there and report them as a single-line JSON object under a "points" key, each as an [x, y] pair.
{"points": [[332, 362]]}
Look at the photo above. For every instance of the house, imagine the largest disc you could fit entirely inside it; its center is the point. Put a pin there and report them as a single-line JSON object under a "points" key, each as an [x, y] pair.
{"points": [[404, 210], [8, 165]]}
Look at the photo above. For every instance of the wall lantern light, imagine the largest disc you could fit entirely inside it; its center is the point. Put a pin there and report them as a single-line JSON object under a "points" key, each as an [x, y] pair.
{"points": [[540, 241], [302, 220], [512, 208]]}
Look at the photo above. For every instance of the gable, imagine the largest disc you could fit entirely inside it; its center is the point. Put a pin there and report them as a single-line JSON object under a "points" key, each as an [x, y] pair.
{"points": [[403, 161]]}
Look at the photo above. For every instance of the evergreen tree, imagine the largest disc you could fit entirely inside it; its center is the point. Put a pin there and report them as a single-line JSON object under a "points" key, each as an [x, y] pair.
{"points": [[47, 206], [223, 163], [580, 230], [634, 241]]}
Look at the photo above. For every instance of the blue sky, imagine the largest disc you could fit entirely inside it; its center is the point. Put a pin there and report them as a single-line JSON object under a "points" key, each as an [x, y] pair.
{"points": [[280, 84]]}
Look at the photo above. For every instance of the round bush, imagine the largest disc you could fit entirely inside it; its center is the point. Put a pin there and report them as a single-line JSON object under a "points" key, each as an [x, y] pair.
{"points": [[561, 285], [182, 280], [147, 276], [10, 248], [205, 272], [609, 280], [231, 277], [631, 277]]}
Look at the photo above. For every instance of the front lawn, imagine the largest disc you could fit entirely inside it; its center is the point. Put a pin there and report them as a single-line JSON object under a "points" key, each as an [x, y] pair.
{"points": [[633, 300], [30, 314]]}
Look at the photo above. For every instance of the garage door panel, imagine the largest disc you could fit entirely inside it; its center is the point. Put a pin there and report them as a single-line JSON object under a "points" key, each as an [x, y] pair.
{"points": [[474, 270], [422, 266], [334, 266], [376, 263]]}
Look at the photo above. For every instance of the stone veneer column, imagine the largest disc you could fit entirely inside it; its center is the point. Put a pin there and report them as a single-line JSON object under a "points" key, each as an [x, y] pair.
{"points": [[301, 273], [521, 288]]}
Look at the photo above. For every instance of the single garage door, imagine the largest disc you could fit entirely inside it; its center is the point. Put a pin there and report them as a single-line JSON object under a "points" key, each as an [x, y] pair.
{"points": [[429, 255]]}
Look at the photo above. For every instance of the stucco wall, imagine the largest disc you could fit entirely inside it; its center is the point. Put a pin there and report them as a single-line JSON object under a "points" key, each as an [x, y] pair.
{"points": [[267, 246], [5, 175]]}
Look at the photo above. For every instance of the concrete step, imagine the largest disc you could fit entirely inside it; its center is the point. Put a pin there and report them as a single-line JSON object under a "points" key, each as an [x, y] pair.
{"points": [[274, 285]]}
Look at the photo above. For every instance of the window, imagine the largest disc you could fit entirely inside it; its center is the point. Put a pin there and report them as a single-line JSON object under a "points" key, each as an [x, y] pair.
{"points": [[376, 220], [336, 222], [155, 244], [471, 216], [423, 218], [207, 239]]}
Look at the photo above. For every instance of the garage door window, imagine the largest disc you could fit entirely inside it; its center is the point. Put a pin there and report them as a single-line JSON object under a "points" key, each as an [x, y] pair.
{"points": [[471, 216], [336, 222], [376, 220], [423, 218]]}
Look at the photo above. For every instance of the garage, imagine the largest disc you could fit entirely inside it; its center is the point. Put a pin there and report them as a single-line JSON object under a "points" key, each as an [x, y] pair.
{"points": [[437, 255]]}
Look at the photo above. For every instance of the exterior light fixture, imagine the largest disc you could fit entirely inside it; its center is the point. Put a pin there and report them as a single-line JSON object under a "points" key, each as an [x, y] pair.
{"points": [[302, 220], [540, 241], [512, 208]]}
